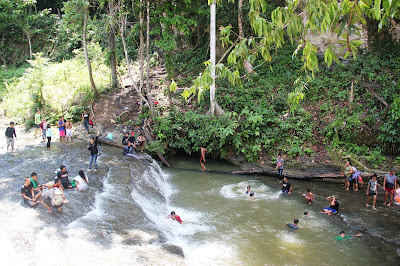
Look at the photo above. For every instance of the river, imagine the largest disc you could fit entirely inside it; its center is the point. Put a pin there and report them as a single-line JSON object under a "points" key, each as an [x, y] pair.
{"points": [[121, 219]]}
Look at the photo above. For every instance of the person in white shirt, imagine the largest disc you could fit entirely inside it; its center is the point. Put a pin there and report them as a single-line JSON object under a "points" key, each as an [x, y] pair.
{"points": [[81, 181]]}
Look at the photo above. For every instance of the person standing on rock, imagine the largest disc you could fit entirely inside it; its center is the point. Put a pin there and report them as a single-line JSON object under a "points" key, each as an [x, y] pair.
{"points": [[61, 129], [390, 184], [49, 134], [348, 170], [279, 166], [372, 190], [10, 134], [43, 126], [68, 127], [92, 147], [86, 119]]}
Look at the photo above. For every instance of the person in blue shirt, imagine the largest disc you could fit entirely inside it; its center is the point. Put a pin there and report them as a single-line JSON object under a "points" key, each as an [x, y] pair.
{"points": [[293, 226]]}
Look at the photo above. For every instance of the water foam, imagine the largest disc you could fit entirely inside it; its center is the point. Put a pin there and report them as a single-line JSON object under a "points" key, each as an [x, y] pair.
{"points": [[238, 191], [195, 222]]}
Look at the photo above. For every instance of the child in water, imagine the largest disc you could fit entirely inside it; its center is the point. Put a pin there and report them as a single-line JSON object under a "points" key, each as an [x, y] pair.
{"points": [[248, 190], [293, 226], [203, 157], [342, 236], [309, 196]]}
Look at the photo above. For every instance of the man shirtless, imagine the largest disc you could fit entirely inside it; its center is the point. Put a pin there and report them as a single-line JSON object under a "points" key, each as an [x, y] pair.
{"points": [[68, 127], [203, 157]]}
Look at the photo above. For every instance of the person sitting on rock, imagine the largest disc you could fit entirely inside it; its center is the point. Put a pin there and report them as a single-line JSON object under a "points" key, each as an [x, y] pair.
{"points": [[30, 197], [333, 207], [125, 138], [130, 151], [141, 140]]}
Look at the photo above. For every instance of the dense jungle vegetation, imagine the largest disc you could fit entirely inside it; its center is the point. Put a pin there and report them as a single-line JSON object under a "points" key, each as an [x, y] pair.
{"points": [[276, 91]]}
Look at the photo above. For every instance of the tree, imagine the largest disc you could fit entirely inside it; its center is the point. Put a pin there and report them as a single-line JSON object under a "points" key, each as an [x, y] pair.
{"points": [[113, 59], [141, 50], [215, 109], [148, 85], [85, 51], [122, 22], [76, 15]]}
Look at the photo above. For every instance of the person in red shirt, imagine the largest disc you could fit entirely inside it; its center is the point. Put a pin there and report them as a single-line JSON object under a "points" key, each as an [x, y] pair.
{"points": [[175, 217]]}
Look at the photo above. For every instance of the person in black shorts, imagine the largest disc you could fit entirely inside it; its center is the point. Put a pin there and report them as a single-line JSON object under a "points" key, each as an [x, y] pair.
{"points": [[372, 190], [29, 196]]}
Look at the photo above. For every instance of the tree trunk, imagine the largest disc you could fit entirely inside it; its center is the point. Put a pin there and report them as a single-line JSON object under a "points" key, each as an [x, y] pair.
{"points": [[121, 29], [141, 51], [214, 107], [85, 51], [148, 85], [247, 65], [3, 57], [28, 36], [351, 97], [113, 60]]}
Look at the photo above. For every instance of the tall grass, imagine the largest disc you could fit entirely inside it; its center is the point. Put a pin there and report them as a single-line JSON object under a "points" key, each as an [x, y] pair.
{"points": [[55, 88]]}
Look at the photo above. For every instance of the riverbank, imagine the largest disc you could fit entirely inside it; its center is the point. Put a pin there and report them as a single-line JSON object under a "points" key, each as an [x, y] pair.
{"points": [[298, 168]]}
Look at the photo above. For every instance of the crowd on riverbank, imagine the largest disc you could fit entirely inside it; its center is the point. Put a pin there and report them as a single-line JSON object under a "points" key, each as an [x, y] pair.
{"points": [[352, 179]]}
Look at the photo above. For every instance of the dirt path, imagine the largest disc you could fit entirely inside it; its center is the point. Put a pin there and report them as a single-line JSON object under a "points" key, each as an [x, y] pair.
{"points": [[121, 105]]}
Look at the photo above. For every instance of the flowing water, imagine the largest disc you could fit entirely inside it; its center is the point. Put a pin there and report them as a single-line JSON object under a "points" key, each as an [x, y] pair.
{"points": [[121, 219]]}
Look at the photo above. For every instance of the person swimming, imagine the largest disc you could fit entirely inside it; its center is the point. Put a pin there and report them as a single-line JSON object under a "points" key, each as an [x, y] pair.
{"points": [[342, 236], [248, 190], [293, 226], [175, 217], [251, 194]]}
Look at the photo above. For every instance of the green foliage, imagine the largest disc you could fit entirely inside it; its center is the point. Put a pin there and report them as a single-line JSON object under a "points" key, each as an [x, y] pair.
{"points": [[9, 74], [56, 88], [155, 146]]}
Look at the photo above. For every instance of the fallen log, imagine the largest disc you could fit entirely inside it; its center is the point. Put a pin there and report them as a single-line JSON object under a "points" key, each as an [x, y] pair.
{"points": [[118, 144], [111, 142], [272, 172], [148, 132]]}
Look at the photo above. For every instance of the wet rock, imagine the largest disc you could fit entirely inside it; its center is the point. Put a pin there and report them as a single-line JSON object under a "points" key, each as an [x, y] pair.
{"points": [[173, 249]]}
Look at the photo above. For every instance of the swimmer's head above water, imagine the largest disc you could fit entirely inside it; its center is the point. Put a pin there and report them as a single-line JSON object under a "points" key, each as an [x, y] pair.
{"points": [[248, 189], [306, 213], [252, 194]]}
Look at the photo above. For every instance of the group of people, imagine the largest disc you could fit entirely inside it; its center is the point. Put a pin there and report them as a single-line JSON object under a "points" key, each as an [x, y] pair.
{"points": [[51, 194], [352, 177], [131, 143]]}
